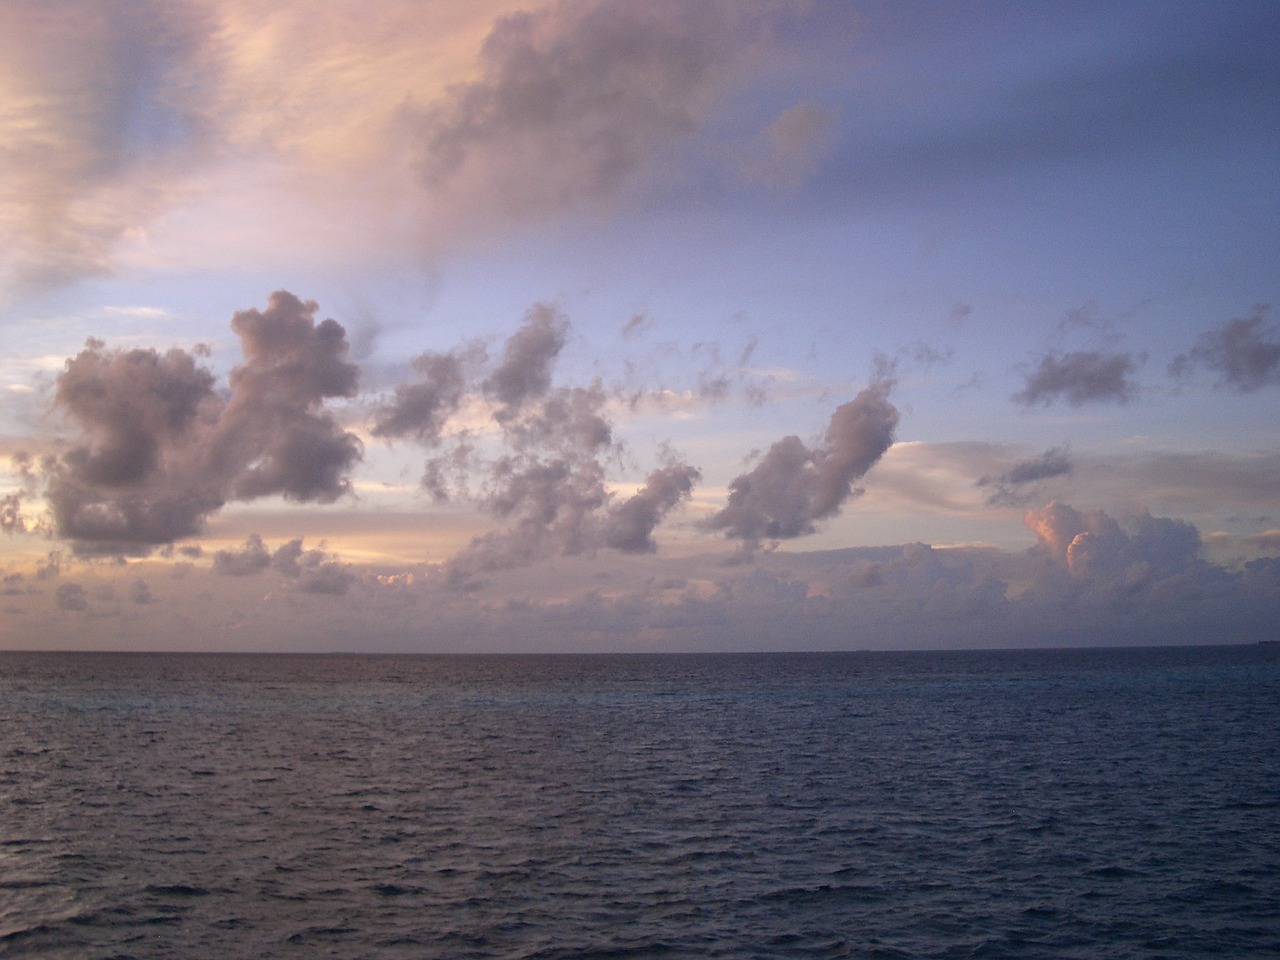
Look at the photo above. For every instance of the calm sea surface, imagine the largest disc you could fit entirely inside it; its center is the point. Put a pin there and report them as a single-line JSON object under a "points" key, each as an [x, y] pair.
{"points": [[1121, 803]]}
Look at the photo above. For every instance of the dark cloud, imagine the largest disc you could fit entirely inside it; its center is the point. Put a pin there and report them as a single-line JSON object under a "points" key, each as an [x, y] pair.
{"points": [[629, 525], [137, 476], [549, 508], [1245, 353], [330, 578], [575, 102], [311, 571], [71, 596], [547, 480], [161, 449], [551, 486], [273, 429], [527, 358], [251, 558], [418, 411], [794, 485], [1079, 378], [1052, 463]]}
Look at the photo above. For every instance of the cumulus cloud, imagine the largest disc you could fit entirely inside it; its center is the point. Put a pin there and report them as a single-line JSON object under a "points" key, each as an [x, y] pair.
{"points": [[546, 479], [1245, 353], [629, 525], [418, 411], [1079, 378], [796, 485], [548, 487], [314, 571], [161, 448], [1094, 544], [1141, 580], [250, 558], [525, 370], [330, 578], [1008, 485], [311, 571], [273, 427]]}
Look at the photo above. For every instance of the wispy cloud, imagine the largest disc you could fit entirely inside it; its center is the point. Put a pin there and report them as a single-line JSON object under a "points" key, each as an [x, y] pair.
{"points": [[1009, 487], [575, 103]]}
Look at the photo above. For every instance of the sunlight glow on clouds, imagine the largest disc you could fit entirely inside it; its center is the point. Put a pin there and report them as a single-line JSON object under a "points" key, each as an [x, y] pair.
{"points": [[588, 324]]}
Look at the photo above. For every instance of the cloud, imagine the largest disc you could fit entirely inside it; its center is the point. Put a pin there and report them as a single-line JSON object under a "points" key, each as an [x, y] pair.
{"points": [[793, 147], [139, 592], [1052, 463], [251, 558], [311, 571], [548, 485], [542, 470], [525, 371], [1096, 545], [292, 364], [71, 596], [629, 525], [11, 519], [573, 104], [93, 130], [1245, 353], [1268, 540], [638, 325], [418, 411], [161, 449], [795, 485], [314, 571], [1079, 378], [330, 578], [160, 446]]}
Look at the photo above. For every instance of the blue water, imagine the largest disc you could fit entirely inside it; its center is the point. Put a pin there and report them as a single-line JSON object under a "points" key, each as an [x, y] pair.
{"points": [[1113, 803]]}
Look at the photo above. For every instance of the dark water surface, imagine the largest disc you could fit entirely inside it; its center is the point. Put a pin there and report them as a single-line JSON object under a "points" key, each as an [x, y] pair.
{"points": [[1121, 803]]}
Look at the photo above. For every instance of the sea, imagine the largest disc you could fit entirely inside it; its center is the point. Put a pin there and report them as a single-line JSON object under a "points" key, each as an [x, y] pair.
{"points": [[1023, 804]]}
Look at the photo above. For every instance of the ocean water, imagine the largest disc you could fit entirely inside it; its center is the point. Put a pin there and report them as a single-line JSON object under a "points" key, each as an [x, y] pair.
{"points": [[1102, 803]]}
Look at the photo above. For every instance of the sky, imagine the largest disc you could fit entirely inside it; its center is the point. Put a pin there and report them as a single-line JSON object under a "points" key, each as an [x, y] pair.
{"points": [[603, 326]]}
